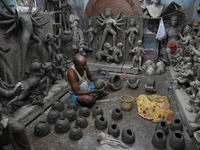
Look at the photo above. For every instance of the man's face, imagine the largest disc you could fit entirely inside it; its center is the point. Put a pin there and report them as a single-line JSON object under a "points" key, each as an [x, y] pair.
{"points": [[82, 65]]}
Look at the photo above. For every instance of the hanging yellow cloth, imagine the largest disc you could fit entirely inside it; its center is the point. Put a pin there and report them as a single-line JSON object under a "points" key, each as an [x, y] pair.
{"points": [[154, 107]]}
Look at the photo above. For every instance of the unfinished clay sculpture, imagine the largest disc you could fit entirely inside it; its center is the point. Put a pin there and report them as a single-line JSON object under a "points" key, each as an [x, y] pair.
{"points": [[172, 36], [154, 9], [162, 125], [62, 125], [105, 53], [113, 129], [26, 22], [131, 32], [84, 111], [108, 21], [177, 140], [159, 139], [117, 114], [128, 136], [133, 82], [81, 122], [138, 54], [100, 122], [75, 133], [52, 116], [70, 114], [117, 52], [97, 111], [91, 33], [115, 82], [41, 129], [57, 105]]}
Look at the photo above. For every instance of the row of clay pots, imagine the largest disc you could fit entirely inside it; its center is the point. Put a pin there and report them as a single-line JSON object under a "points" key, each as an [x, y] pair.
{"points": [[176, 141], [42, 129], [128, 135]]}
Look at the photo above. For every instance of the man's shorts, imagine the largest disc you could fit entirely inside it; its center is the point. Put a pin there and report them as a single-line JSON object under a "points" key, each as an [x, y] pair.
{"points": [[73, 96]]}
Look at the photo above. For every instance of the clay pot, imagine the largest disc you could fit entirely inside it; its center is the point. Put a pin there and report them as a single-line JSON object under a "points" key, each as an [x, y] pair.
{"points": [[113, 129], [177, 140], [159, 139], [133, 82], [57, 105], [41, 129], [176, 125], [99, 84], [73, 106], [75, 133], [100, 122], [52, 116], [126, 102], [151, 87], [115, 82], [81, 122], [128, 136], [70, 114], [62, 125], [162, 124], [117, 114], [97, 111], [84, 111]]}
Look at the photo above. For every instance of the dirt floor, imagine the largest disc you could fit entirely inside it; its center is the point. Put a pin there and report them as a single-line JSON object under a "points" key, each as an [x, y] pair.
{"points": [[142, 128]]}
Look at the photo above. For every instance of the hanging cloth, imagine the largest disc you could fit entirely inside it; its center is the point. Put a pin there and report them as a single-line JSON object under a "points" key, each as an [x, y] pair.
{"points": [[161, 34]]}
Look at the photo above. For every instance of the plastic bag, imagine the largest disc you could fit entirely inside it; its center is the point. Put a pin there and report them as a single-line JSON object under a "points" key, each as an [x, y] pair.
{"points": [[107, 142], [161, 34]]}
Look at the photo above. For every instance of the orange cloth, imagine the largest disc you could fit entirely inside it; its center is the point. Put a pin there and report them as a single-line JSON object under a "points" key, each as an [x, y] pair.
{"points": [[154, 108], [173, 47]]}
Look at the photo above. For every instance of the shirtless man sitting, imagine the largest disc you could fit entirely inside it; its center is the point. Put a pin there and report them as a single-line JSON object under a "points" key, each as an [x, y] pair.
{"points": [[83, 94]]}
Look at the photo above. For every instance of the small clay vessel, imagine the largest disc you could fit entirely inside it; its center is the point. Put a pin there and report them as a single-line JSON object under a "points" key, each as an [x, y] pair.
{"points": [[159, 139], [151, 87], [177, 140], [75, 133], [113, 129], [115, 82], [81, 122], [41, 129], [57, 105], [128, 136], [133, 82], [117, 114], [97, 111], [62, 125], [99, 84], [52, 116], [126, 102], [162, 124], [176, 124], [70, 114], [73, 106], [84, 111], [100, 122]]}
